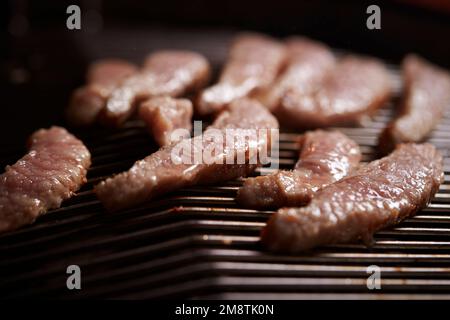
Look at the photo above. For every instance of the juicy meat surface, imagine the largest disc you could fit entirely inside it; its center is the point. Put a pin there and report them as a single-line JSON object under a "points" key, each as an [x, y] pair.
{"points": [[164, 115], [427, 95], [254, 61], [325, 157], [53, 169], [165, 170], [166, 73], [378, 195], [356, 86], [308, 63], [102, 77]]}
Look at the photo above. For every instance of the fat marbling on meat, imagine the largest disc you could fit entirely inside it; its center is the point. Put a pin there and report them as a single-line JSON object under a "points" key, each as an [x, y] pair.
{"points": [[378, 195], [164, 170], [427, 95], [53, 169], [325, 157]]}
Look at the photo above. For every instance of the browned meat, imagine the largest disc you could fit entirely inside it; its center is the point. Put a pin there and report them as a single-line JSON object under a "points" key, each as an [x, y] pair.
{"points": [[102, 77], [253, 64], [53, 169], [164, 170], [379, 195], [355, 87], [309, 62], [325, 157], [166, 73], [427, 95], [164, 115]]}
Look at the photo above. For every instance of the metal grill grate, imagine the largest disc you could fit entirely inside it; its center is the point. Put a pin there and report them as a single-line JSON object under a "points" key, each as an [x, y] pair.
{"points": [[198, 243]]}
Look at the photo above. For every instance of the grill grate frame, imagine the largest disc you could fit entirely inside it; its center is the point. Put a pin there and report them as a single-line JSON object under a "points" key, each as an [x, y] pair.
{"points": [[198, 243]]}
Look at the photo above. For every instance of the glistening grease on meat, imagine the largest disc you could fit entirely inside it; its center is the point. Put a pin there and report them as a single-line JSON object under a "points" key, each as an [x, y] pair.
{"points": [[164, 115], [166, 73], [253, 64], [356, 86], [159, 173], [378, 195], [102, 77], [53, 169], [325, 157], [427, 95]]}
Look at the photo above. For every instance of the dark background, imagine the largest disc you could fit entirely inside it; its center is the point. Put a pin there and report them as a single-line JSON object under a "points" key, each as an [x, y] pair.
{"points": [[42, 61]]}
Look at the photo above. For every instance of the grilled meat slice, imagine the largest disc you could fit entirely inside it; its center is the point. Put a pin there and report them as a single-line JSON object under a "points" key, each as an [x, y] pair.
{"points": [[355, 87], [325, 157], [166, 73], [379, 195], [164, 115], [427, 95], [309, 62], [53, 169], [253, 64], [165, 170], [102, 77]]}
